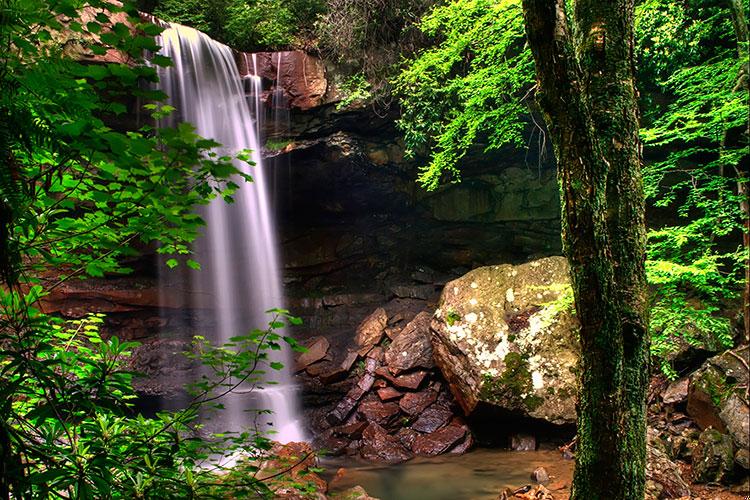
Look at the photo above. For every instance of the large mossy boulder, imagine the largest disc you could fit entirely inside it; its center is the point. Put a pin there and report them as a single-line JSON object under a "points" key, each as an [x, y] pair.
{"points": [[506, 336]]}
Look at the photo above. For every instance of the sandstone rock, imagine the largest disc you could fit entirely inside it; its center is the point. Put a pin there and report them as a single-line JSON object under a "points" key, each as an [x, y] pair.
{"points": [[432, 419], [407, 436], [713, 457], [676, 392], [407, 381], [663, 477], [377, 353], [365, 383], [297, 459], [349, 360], [354, 493], [341, 411], [439, 441], [412, 348], [422, 292], [505, 335], [371, 330], [540, 475], [384, 414], [735, 415], [742, 458], [317, 349], [378, 445], [388, 394], [713, 397], [415, 403], [351, 431], [463, 446], [522, 442]]}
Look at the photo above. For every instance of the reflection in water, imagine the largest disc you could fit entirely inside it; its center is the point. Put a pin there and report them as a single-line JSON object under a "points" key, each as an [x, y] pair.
{"points": [[479, 475]]}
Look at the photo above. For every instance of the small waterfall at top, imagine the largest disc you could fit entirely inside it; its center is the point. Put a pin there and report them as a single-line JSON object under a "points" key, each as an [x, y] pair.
{"points": [[240, 277]]}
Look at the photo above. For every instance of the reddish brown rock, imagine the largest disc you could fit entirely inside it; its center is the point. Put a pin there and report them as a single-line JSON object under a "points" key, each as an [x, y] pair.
{"points": [[351, 431], [371, 330], [296, 459], [333, 376], [371, 364], [349, 360], [407, 381], [378, 445], [300, 75], [365, 383], [432, 419], [415, 403], [317, 348], [439, 441], [341, 411], [676, 392], [464, 445], [377, 353], [388, 394], [392, 331], [412, 348], [407, 436], [381, 413]]}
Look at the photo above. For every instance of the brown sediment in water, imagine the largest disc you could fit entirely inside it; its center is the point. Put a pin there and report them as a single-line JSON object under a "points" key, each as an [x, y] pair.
{"points": [[478, 475]]}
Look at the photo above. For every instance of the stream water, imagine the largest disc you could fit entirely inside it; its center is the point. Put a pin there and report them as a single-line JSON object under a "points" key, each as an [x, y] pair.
{"points": [[478, 475]]}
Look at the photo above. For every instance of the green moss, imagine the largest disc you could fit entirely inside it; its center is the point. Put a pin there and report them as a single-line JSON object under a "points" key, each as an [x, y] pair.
{"points": [[451, 317], [514, 386], [277, 144]]}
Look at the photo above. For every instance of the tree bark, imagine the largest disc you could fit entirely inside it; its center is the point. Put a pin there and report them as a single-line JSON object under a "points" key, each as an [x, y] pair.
{"points": [[741, 31], [586, 88]]}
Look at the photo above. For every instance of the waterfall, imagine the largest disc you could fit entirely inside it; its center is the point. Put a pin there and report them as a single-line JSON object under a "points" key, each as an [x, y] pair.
{"points": [[240, 277]]}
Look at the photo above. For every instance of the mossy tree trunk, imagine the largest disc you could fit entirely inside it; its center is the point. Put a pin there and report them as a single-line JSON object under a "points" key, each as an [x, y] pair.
{"points": [[586, 88]]}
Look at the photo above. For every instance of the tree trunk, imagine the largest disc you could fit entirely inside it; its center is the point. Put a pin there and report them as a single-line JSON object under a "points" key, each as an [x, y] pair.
{"points": [[742, 33], [586, 88]]}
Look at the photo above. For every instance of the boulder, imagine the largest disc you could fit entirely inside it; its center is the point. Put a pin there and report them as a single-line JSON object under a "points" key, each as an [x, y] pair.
{"points": [[412, 348], [713, 457], [296, 460], [506, 336], [676, 392], [378, 445], [439, 441], [522, 442], [715, 397], [663, 477], [407, 381], [371, 330], [353, 493], [432, 419], [540, 475]]}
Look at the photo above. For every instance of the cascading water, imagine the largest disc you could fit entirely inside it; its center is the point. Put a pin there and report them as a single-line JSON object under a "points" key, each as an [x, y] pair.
{"points": [[240, 277]]}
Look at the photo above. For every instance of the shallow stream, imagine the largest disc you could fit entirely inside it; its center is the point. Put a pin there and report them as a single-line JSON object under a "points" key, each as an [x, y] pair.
{"points": [[478, 475]]}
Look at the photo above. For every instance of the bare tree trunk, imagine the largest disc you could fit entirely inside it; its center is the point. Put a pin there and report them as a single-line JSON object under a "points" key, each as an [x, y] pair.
{"points": [[586, 88]]}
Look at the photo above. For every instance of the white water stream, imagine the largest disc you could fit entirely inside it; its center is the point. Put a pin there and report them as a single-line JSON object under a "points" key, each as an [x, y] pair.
{"points": [[240, 277]]}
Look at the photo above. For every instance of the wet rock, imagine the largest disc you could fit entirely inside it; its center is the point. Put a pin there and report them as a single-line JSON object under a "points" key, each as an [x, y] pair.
{"points": [[439, 441], [522, 442], [415, 403], [407, 436], [432, 419], [384, 414], [332, 445], [378, 445], [342, 410], [540, 475], [412, 348], [464, 445], [506, 336], [663, 477], [372, 328], [713, 457], [406, 381], [333, 376], [317, 348], [349, 360], [389, 394], [350, 431], [365, 383], [676, 392]]}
